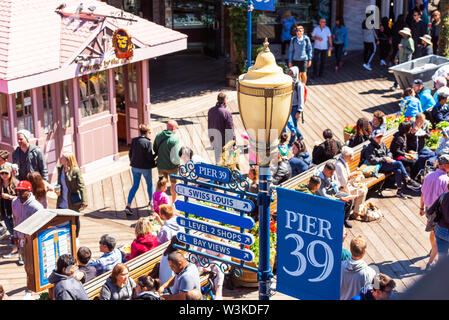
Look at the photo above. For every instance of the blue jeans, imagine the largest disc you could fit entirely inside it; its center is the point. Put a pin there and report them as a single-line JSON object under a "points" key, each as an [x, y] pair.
{"points": [[137, 174], [442, 237], [298, 166], [339, 53], [399, 171], [9, 225]]}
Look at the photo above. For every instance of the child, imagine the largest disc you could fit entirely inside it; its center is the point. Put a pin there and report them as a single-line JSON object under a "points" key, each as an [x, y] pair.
{"points": [[147, 288], [160, 197], [283, 146], [83, 257], [170, 228], [410, 105]]}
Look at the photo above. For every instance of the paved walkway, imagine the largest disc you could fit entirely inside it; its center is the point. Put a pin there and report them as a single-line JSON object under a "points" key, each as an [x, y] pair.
{"points": [[184, 88]]}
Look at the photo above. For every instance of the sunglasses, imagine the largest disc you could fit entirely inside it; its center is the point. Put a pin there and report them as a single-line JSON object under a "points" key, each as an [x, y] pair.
{"points": [[1, 173]]}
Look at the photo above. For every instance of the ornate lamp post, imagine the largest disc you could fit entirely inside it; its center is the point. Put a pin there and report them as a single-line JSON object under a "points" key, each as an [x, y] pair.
{"points": [[265, 102]]}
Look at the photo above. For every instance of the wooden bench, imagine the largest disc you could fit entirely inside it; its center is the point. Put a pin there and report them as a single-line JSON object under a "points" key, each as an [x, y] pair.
{"points": [[141, 265], [304, 177]]}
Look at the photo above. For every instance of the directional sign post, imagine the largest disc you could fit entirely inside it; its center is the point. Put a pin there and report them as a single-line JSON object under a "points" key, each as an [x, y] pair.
{"points": [[232, 194]]}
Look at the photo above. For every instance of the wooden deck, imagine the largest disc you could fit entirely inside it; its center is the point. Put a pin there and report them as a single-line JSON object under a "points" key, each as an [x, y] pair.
{"points": [[184, 88]]}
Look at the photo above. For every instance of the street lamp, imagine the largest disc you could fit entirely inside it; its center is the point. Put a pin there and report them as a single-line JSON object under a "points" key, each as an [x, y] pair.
{"points": [[265, 101]]}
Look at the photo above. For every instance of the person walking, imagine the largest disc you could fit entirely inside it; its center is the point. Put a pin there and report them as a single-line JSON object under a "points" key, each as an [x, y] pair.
{"points": [[396, 37], [369, 44], [298, 104], [220, 126], [40, 187], [355, 273], [384, 42], [418, 29], [8, 184], [322, 46], [425, 49], [288, 24], [73, 193], [435, 31], [340, 40], [434, 184], [166, 148], [300, 53], [405, 50], [142, 161], [28, 157]]}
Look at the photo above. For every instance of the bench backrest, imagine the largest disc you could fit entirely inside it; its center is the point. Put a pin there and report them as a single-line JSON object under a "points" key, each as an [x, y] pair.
{"points": [[304, 177]]}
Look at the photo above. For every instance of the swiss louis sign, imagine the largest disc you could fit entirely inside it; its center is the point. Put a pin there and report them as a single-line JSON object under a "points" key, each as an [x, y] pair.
{"points": [[309, 241], [214, 197]]}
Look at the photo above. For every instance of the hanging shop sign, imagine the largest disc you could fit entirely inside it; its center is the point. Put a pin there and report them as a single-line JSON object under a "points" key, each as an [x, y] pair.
{"points": [[123, 46]]}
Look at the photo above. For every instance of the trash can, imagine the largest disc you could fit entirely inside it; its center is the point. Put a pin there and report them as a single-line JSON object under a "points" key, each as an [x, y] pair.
{"points": [[421, 68]]}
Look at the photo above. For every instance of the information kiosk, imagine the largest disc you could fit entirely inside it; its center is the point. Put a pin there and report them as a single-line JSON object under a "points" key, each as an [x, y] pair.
{"points": [[49, 233]]}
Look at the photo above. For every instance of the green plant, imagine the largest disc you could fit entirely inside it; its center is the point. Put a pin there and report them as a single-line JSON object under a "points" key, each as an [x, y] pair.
{"points": [[44, 296], [237, 24], [443, 43], [434, 141], [442, 125], [350, 129], [255, 246]]}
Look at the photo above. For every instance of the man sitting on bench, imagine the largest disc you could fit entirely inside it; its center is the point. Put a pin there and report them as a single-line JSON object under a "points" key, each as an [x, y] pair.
{"points": [[378, 153]]}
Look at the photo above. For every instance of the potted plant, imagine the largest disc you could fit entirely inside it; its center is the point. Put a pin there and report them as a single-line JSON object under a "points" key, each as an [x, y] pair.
{"points": [[347, 131], [248, 278], [434, 141]]}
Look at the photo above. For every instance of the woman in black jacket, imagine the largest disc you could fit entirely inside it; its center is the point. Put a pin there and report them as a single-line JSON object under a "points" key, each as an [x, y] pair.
{"points": [[399, 148], [327, 149], [363, 131]]}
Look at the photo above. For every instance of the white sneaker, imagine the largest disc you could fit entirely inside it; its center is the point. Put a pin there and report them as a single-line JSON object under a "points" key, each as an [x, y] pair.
{"points": [[383, 63], [367, 66]]}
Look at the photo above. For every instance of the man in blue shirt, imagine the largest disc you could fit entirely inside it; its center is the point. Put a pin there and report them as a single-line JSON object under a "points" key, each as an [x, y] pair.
{"points": [[111, 255], [440, 111], [382, 289], [300, 53], [424, 95]]}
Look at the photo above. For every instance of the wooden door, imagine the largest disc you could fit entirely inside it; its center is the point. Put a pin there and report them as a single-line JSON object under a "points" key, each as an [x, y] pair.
{"points": [[133, 99]]}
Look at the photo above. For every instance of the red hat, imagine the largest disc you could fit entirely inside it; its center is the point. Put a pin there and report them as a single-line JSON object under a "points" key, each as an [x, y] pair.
{"points": [[24, 185]]}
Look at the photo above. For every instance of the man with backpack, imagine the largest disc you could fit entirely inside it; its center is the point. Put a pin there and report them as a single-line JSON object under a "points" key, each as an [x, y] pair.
{"points": [[142, 161], [300, 53], [434, 184]]}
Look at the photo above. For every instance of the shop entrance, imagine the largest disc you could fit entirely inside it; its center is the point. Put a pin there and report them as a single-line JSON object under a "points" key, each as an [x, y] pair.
{"points": [[126, 94]]}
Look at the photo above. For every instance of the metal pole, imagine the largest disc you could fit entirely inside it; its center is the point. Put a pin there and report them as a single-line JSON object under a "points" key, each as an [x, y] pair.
{"points": [[248, 33], [264, 274]]}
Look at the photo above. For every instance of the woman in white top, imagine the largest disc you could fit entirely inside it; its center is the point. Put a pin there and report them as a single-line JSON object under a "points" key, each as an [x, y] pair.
{"points": [[348, 180]]}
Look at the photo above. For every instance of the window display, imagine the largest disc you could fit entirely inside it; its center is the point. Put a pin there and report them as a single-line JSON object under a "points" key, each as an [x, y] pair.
{"points": [[306, 13], [94, 93], [192, 14]]}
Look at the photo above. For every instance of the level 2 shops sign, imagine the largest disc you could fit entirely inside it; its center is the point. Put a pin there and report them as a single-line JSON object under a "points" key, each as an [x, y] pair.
{"points": [[123, 46]]}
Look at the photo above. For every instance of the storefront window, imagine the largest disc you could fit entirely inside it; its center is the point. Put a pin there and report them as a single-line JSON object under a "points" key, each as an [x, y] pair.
{"points": [[119, 79], [94, 94], [24, 109], [65, 104], [306, 13], [132, 6], [191, 14], [4, 111], [48, 109]]}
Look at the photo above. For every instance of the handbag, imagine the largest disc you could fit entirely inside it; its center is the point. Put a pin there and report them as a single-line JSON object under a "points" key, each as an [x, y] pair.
{"points": [[75, 198]]}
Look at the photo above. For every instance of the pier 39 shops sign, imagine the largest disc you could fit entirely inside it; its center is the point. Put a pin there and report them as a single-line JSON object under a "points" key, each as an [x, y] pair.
{"points": [[309, 241]]}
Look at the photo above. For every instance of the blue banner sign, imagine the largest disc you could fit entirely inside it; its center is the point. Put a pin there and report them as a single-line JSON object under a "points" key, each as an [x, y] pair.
{"points": [[309, 242], [214, 197], [215, 214], [215, 230], [265, 5], [215, 173], [218, 247]]}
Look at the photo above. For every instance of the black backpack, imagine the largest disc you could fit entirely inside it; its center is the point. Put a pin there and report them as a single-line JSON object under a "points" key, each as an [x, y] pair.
{"points": [[437, 208]]}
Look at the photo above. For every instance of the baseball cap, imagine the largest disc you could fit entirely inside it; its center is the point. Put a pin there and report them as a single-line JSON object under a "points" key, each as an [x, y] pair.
{"points": [[418, 81], [378, 132], [24, 185], [443, 159], [5, 168]]}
